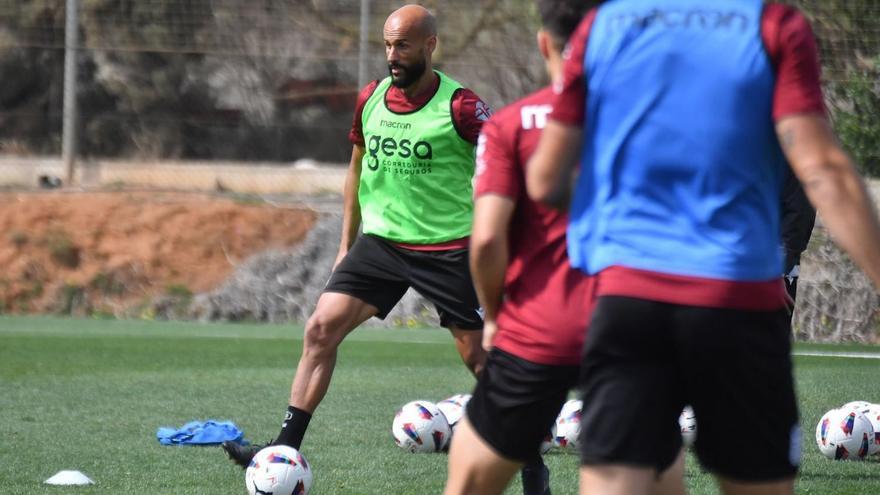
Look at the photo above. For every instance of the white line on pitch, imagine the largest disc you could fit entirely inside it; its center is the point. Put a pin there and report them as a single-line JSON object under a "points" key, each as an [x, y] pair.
{"points": [[856, 355]]}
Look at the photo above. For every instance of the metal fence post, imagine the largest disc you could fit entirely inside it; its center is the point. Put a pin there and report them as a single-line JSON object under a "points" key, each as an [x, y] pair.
{"points": [[68, 133], [363, 49]]}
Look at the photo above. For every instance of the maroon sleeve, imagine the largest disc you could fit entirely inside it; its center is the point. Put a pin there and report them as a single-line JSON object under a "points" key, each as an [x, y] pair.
{"points": [[792, 49], [571, 90], [469, 113], [498, 171], [356, 134]]}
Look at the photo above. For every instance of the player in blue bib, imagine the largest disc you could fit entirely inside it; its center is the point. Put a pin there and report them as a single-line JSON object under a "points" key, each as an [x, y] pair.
{"points": [[683, 115]]}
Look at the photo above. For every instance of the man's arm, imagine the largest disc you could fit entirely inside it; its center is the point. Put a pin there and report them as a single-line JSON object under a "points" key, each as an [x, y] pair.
{"points": [[489, 255], [834, 187], [550, 171], [351, 208]]}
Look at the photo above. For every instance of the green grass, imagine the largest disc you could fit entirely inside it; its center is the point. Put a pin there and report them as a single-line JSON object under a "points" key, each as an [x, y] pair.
{"points": [[89, 395]]}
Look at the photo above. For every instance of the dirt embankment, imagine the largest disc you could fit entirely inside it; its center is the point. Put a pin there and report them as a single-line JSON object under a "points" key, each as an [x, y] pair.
{"points": [[116, 253]]}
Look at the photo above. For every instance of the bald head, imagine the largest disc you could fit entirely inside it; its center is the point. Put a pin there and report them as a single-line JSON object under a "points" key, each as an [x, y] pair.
{"points": [[412, 19], [410, 39]]}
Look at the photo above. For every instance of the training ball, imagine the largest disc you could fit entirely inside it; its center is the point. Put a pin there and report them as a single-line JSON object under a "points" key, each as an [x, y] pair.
{"points": [[873, 415], [568, 424], [857, 405], [420, 427], [453, 408], [844, 435], [687, 421], [549, 440], [279, 470]]}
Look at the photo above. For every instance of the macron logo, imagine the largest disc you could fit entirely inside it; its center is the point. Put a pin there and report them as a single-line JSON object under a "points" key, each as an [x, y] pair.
{"points": [[534, 116]]}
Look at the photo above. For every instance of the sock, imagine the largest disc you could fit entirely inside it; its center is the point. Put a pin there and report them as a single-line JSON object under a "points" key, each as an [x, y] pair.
{"points": [[293, 429], [535, 478]]}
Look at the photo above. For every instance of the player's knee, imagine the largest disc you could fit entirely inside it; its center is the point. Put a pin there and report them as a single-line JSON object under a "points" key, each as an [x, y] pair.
{"points": [[321, 335], [474, 358]]}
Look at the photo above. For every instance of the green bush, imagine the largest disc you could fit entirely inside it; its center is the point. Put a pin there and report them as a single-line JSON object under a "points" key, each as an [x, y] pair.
{"points": [[855, 108]]}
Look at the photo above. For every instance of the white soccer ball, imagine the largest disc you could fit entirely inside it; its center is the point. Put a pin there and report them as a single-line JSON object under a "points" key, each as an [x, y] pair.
{"points": [[549, 440], [687, 421], [279, 470], [453, 408], [419, 426], [873, 415], [844, 434], [857, 405], [568, 424]]}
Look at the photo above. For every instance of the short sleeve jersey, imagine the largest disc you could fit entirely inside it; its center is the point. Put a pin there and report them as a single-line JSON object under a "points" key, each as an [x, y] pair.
{"points": [[546, 306]]}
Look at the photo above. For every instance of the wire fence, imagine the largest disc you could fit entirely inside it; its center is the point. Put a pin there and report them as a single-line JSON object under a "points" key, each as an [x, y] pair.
{"points": [[163, 83], [276, 80]]}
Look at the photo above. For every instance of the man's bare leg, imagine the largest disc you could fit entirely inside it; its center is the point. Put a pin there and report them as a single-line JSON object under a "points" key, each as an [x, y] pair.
{"points": [[469, 344], [782, 487], [335, 316], [616, 479], [474, 467], [671, 481]]}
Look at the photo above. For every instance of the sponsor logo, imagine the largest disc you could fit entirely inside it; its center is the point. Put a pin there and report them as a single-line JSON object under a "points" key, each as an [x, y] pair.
{"points": [[534, 116], [395, 125], [696, 19], [405, 156]]}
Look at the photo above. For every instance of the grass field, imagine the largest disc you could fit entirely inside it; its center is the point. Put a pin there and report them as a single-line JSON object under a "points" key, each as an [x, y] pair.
{"points": [[89, 395]]}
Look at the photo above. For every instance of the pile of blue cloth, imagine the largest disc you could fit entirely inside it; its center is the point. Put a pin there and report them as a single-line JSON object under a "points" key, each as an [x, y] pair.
{"points": [[208, 432]]}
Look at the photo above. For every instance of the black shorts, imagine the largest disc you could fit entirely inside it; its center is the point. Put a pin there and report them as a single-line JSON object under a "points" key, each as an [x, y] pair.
{"points": [[379, 273], [644, 360], [516, 401]]}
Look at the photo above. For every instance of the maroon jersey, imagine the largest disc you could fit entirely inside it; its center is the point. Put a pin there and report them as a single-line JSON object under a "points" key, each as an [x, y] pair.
{"points": [[547, 304]]}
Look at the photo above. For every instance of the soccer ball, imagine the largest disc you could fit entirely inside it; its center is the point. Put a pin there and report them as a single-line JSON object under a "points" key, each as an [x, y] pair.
{"points": [[687, 421], [568, 424], [844, 434], [873, 415], [857, 405], [453, 408], [548, 441], [419, 426], [279, 470]]}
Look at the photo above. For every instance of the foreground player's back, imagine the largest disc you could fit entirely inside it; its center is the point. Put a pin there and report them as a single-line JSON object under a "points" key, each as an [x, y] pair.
{"points": [[684, 159]]}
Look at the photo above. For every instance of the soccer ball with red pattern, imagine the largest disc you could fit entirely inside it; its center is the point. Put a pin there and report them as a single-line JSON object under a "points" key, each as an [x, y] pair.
{"points": [[420, 427], [873, 415], [453, 408], [568, 424], [844, 434], [687, 421], [278, 470]]}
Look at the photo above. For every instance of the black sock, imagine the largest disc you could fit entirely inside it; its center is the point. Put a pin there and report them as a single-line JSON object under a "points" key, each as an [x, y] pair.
{"points": [[294, 427]]}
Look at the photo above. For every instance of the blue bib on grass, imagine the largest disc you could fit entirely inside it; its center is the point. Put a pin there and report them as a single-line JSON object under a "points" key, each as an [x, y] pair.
{"points": [[208, 432]]}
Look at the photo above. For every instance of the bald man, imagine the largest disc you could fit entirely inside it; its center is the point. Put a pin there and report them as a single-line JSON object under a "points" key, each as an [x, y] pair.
{"points": [[409, 186]]}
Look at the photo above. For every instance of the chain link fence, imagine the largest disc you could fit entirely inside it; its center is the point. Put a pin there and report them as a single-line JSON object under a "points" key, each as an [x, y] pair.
{"points": [[258, 96]]}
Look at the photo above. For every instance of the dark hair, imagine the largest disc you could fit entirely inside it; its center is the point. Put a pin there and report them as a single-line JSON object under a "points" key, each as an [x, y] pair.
{"points": [[561, 17]]}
